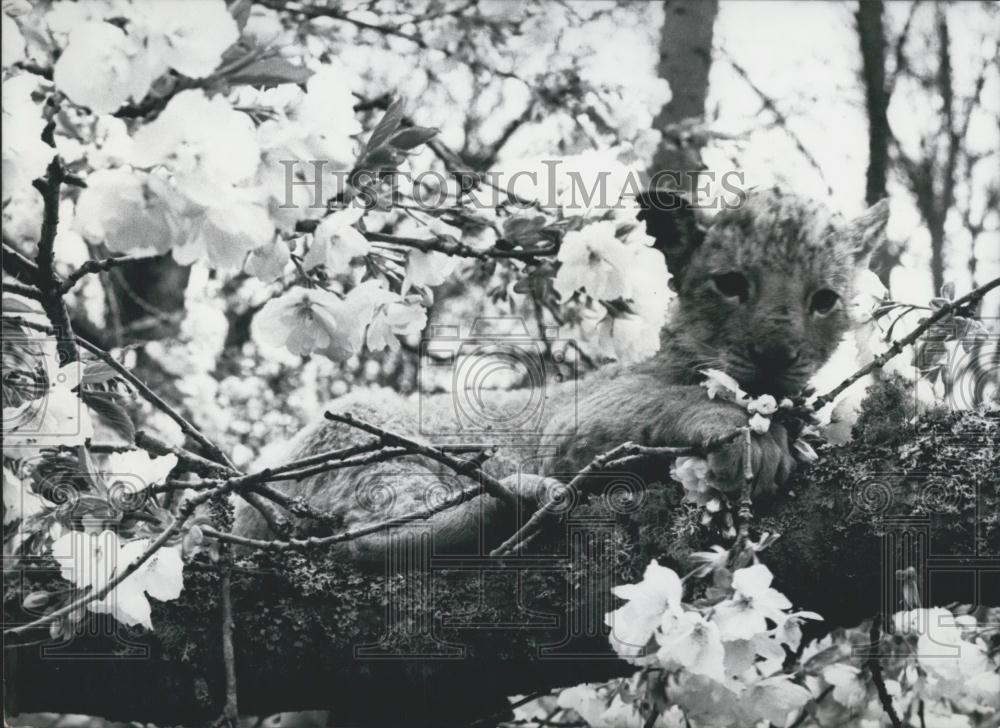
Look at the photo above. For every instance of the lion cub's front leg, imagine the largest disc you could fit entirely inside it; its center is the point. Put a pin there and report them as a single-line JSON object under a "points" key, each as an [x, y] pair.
{"points": [[642, 409], [771, 459]]}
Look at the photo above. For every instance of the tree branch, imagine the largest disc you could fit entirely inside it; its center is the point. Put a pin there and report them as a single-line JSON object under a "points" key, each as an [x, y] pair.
{"points": [[97, 266], [47, 279], [19, 265], [313, 542], [148, 394], [622, 456], [875, 667], [970, 299], [468, 468]]}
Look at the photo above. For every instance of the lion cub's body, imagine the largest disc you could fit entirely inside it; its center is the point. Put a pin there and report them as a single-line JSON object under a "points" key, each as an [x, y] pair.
{"points": [[785, 249]]}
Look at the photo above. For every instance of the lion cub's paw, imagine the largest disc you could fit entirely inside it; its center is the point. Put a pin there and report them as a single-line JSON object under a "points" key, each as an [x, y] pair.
{"points": [[771, 462]]}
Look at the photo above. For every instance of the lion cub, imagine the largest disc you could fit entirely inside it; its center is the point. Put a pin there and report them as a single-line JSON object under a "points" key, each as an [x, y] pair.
{"points": [[762, 296]]}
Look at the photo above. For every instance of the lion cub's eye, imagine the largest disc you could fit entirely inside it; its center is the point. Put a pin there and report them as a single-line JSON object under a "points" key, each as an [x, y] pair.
{"points": [[732, 285], [824, 301]]}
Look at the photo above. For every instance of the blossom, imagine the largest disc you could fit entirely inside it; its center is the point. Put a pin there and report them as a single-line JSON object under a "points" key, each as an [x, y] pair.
{"points": [[869, 292], [128, 211], [392, 318], [54, 419], [336, 242], [86, 559], [225, 230], [429, 268], [101, 67], [138, 464], [759, 423], [160, 577], [633, 624], [718, 382], [761, 653], [310, 136], [25, 155], [693, 473], [326, 114], [789, 632], [112, 145], [595, 260], [626, 337], [93, 559], [12, 44], [191, 43], [302, 319], [205, 142], [269, 261], [694, 643], [848, 687], [709, 561], [19, 502], [941, 649], [764, 405], [754, 601]]}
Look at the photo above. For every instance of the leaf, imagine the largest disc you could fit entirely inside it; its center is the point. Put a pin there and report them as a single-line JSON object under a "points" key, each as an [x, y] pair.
{"points": [[109, 410], [97, 372], [381, 159], [270, 71], [387, 125], [413, 137], [524, 231]]}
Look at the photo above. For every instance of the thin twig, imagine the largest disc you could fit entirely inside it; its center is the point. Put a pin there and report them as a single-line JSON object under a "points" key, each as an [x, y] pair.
{"points": [[97, 266], [19, 265], [23, 290], [148, 394], [875, 667], [278, 525], [746, 500], [295, 506], [268, 474], [185, 512], [230, 712], [185, 458], [321, 11], [779, 117], [625, 454], [303, 544], [968, 300], [333, 464], [469, 468]]}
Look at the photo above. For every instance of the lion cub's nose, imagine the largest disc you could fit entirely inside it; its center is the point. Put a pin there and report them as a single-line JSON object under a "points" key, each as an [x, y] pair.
{"points": [[773, 356]]}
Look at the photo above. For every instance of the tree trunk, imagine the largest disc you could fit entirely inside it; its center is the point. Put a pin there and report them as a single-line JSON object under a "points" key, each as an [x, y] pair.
{"points": [[872, 38], [685, 60], [871, 34], [443, 646]]}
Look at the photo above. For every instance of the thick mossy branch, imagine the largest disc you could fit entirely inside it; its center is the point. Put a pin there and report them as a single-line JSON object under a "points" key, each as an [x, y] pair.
{"points": [[311, 632]]}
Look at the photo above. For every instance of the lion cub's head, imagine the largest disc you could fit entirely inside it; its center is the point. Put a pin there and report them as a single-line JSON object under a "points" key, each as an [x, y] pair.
{"points": [[763, 290]]}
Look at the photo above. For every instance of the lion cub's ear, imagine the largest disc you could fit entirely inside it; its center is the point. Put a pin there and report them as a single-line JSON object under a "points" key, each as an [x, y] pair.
{"points": [[671, 222], [866, 232]]}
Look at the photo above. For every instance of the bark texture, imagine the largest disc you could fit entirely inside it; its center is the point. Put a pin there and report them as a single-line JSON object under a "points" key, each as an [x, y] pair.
{"points": [[444, 648], [685, 61]]}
